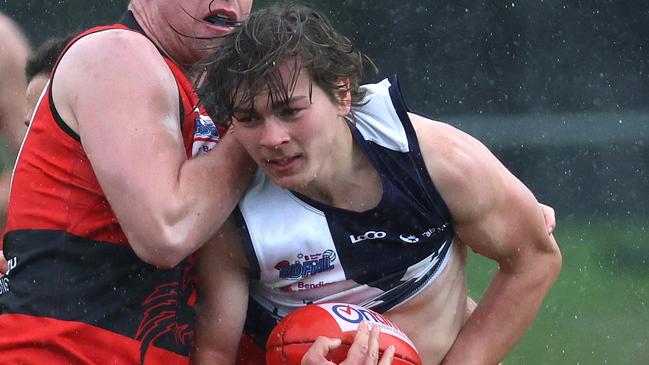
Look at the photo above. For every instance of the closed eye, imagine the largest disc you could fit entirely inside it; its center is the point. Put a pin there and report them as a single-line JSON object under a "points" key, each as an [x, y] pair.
{"points": [[289, 113], [245, 117]]}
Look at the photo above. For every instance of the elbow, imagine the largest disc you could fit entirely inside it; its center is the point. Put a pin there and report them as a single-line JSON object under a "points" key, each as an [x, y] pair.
{"points": [[551, 261], [165, 249], [556, 262]]}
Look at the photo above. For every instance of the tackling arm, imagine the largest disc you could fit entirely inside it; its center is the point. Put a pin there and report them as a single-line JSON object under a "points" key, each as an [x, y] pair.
{"points": [[115, 90]]}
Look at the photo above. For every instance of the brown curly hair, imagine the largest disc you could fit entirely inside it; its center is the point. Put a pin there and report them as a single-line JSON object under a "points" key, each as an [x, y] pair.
{"points": [[247, 61]]}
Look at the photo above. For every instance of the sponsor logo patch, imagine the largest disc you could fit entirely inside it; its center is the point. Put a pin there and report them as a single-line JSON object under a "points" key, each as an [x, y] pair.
{"points": [[414, 238], [369, 235], [206, 135], [349, 316], [306, 265]]}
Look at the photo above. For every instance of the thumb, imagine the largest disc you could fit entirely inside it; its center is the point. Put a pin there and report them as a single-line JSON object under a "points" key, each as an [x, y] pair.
{"points": [[325, 344], [319, 349]]}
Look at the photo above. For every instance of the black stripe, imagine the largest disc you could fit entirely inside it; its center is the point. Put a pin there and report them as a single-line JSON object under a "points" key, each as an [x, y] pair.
{"points": [[181, 107], [66, 277], [59, 121]]}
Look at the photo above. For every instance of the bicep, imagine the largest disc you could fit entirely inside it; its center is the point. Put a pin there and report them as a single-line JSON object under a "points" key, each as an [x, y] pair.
{"points": [[493, 212], [510, 228], [222, 297], [117, 93], [115, 90]]}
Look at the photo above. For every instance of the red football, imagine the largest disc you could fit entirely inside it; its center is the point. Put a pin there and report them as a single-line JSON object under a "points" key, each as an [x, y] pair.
{"points": [[295, 333]]}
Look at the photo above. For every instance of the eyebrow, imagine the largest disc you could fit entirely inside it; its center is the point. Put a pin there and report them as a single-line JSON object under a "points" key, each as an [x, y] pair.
{"points": [[276, 105]]}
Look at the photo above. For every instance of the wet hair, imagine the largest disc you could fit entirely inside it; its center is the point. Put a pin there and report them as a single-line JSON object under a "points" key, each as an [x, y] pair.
{"points": [[43, 59], [248, 60]]}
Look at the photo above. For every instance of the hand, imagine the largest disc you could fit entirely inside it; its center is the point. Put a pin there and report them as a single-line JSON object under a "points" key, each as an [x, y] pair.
{"points": [[3, 264], [550, 220], [364, 350]]}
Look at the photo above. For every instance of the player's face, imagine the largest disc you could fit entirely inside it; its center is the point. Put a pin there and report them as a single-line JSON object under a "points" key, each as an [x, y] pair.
{"points": [[294, 142], [200, 24]]}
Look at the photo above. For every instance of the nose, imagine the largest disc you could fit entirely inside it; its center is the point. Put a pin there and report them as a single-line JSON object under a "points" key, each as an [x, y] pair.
{"points": [[274, 133]]}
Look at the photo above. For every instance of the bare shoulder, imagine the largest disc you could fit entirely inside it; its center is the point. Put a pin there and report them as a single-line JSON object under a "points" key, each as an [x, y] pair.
{"points": [[493, 211], [112, 67], [461, 167], [104, 52]]}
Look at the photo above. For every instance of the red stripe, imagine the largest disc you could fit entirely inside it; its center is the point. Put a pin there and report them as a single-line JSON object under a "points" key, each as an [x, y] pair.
{"points": [[36, 340]]}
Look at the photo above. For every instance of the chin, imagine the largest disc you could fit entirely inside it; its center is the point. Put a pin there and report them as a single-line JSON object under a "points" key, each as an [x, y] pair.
{"points": [[289, 182]]}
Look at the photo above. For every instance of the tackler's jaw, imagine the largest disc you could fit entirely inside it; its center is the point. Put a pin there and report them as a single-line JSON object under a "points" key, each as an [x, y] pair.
{"points": [[222, 19]]}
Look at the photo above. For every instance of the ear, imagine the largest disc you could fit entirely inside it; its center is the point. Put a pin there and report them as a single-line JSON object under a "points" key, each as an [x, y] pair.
{"points": [[344, 97]]}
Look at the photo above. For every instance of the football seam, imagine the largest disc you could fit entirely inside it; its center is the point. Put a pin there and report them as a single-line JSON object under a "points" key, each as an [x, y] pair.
{"points": [[349, 344]]}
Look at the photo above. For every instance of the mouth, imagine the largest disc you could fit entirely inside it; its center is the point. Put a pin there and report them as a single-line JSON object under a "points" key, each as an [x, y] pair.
{"points": [[222, 18], [282, 161]]}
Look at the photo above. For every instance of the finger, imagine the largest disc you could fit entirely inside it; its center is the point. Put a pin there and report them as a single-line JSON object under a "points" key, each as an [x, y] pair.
{"points": [[388, 356], [373, 343], [359, 349], [322, 345], [319, 349]]}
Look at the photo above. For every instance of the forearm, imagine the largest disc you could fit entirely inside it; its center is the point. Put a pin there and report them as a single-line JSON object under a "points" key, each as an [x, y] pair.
{"points": [[505, 312], [211, 189], [182, 215]]}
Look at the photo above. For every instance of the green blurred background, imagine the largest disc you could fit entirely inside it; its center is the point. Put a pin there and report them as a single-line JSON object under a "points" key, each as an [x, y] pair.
{"points": [[558, 90]]}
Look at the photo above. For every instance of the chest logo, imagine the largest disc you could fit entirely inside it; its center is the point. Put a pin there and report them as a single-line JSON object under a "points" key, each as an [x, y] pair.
{"points": [[307, 265], [369, 235]]}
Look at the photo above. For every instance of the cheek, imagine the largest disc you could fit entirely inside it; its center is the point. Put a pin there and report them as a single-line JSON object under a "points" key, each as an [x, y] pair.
{"points": [[247, 138], [315, 146]]}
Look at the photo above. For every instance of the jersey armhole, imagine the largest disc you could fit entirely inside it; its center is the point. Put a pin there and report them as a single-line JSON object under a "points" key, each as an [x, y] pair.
{"points": [[55, 114], [57, 117], [246, 241], [416, 157]]}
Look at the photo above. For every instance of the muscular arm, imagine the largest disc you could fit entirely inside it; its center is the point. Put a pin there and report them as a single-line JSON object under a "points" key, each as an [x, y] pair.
{"points": [[498, 217], [222, 299], [118, 94]]}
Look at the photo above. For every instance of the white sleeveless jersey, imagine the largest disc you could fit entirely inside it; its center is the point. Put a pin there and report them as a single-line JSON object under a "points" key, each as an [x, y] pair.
{"points": [[302, 251]]}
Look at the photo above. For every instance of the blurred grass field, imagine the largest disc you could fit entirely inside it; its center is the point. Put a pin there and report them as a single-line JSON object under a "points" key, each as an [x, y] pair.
{"points": [[597, 312]]}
